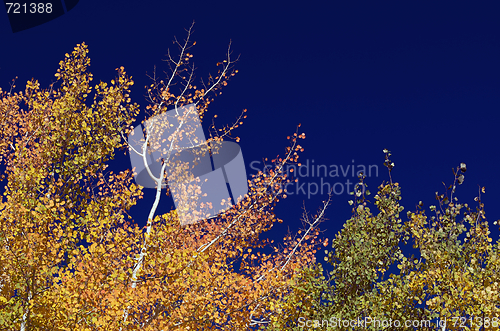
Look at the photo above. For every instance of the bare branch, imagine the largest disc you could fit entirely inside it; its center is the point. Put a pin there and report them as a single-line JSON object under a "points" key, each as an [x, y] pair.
{"points": [[225, 67]]}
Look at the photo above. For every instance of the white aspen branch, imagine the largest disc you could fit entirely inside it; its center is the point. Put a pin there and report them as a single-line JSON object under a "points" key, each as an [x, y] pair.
{"points": [[175, 72], [25, 315], [222, 74], [183, 49], [312, 225], [144, 153], [185, 89], [181, 123], [204, 247], [152, 212], [148, 232], [130, 146], [318, 219], [227, 131]]}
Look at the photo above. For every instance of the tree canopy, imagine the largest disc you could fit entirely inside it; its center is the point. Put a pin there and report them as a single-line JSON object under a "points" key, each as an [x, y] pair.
{"points": [[450, 281], [72, 259]]}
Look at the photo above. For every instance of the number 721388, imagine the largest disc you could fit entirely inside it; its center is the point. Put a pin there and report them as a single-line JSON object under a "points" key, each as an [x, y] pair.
{"points": [[29, 8]]}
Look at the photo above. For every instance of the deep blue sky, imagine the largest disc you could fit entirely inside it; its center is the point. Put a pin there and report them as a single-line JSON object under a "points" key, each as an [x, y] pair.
{"points": [[422, 80]]}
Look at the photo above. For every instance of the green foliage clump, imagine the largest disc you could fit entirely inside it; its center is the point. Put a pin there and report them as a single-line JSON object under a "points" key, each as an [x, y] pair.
{"points": [[452, 278]]}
